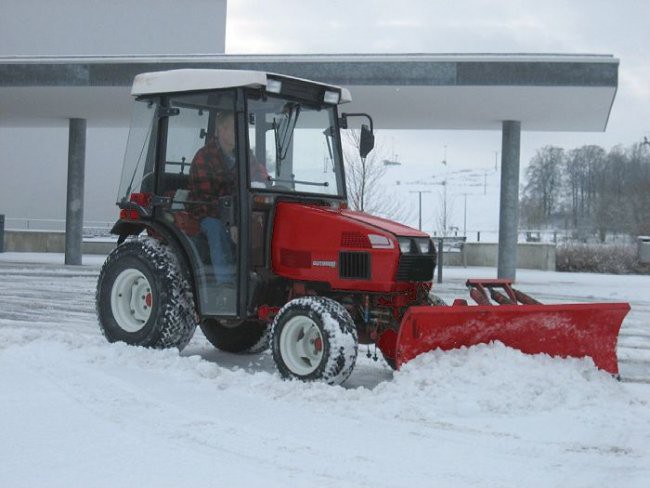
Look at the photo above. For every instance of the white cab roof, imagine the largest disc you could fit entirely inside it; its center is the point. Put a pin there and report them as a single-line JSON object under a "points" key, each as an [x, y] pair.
{"points": [[182, 80]]}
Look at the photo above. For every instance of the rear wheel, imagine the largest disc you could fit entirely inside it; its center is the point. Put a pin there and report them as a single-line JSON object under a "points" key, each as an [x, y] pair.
{"points": [[143, 298], [314, 339], [247, 337]]}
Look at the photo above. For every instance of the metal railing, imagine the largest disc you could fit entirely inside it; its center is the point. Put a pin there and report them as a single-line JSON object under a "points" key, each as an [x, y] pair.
{"points": [[554, 236], [91, 228]]}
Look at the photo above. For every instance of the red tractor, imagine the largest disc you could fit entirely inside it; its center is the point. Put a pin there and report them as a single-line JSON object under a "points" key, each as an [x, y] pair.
{"points": [[305, 272]]}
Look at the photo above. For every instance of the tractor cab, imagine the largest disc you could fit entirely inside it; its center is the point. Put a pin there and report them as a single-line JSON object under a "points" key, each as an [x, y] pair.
{"points": [[285, 145]]}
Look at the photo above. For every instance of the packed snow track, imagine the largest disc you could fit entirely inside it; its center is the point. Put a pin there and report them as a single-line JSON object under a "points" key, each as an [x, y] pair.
{"points": [[78, 411]]}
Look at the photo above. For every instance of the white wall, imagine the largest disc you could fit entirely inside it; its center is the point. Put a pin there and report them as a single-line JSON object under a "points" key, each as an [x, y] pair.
{"points": [[34, 152], [34, 166], [112, 27]]}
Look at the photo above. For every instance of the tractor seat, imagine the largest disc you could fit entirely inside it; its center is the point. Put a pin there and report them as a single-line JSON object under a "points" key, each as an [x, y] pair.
{"points": [[187, 222]]}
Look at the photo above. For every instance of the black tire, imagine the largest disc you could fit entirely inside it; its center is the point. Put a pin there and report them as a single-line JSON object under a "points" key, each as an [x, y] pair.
{"points": [[247, 337], [143, 297], [314, 339]]}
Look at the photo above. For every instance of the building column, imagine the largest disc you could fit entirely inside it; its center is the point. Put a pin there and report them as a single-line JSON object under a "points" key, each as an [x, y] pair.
{"points": [[74, 214], [509, 205]]}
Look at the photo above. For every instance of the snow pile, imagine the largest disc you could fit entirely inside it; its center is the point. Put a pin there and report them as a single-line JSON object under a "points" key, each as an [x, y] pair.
{"points": [[482, 381], [496, 380], [505, 406]]}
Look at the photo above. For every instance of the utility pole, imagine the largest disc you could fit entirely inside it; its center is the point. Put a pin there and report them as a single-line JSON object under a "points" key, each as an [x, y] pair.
{"points": [[444, 208], [465, 216], [420, 192], [444, 199]]}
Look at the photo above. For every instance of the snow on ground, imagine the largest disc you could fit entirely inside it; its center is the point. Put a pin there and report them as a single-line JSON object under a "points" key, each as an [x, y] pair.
{"points": [[77, 411]]}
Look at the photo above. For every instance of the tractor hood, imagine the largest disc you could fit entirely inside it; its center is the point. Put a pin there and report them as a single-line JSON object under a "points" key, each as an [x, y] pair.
{"points": [[384, 224], [315, 243]]}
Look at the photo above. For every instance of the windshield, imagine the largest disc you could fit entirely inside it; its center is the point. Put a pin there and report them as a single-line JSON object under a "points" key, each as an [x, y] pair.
{"points": [[298, 146]]}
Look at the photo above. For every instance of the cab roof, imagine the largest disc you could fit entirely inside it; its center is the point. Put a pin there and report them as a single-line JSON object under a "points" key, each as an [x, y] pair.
{"points": [[184, 80]]}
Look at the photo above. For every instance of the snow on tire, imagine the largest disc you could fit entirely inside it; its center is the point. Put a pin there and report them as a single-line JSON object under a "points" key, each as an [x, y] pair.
{"points": [[143, 298], [314, 339]]}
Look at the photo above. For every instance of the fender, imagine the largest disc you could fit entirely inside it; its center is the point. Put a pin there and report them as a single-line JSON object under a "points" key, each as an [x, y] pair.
{"points": [[126, 228]]}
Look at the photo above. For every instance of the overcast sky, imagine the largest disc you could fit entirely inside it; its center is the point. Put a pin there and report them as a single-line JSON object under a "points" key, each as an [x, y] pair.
{"points": [[619, 28]]}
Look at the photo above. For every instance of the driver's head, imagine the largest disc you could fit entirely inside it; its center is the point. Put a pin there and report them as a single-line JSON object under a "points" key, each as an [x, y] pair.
{"points": [[225, 131]]}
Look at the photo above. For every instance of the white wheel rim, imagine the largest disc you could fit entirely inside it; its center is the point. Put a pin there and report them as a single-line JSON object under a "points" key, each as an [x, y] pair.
{"points": [[301, 345], [131, 300]]}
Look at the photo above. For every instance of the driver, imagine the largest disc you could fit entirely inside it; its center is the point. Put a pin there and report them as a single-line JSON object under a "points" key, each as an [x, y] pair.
{"points": [[213, 174]]}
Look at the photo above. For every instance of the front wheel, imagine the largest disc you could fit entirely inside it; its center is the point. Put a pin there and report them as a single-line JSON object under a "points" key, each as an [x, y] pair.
{"points": [[314, 339]]}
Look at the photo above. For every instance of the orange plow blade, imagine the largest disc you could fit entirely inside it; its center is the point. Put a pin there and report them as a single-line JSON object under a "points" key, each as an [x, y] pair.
{"points": [[569, 330]]}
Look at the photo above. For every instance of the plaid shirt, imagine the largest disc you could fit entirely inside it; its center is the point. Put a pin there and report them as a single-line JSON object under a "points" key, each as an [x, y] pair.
{"points": [[214, 175], [211, 177]]}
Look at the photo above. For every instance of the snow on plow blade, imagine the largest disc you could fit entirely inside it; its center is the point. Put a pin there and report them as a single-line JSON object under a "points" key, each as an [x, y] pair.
{"points": [[575, 330]]}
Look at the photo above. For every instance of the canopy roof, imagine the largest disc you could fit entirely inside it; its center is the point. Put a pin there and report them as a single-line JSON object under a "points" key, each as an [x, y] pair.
{"points": [[547, 92]]}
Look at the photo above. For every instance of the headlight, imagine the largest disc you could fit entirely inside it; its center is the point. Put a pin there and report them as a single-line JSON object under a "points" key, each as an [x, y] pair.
{"points": [[424, 245], [331, 97], [273, 86], [405, 245], [380, 242]]}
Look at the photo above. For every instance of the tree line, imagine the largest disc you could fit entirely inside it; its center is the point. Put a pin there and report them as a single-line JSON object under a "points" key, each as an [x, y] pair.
{"points": [[588, 191]]}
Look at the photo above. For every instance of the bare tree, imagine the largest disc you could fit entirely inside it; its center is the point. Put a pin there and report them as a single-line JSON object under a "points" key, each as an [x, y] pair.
{"points": [[542, 192], [446, 210], [638, 196], [581, 167], [364, 178], [597, 192]]}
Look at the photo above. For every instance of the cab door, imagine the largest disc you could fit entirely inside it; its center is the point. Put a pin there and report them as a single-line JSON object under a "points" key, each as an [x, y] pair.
{"points": [[199, 186]]}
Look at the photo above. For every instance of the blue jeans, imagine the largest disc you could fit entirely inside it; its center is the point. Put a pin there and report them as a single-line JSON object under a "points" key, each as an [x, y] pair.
{"points": [[223, 261]]}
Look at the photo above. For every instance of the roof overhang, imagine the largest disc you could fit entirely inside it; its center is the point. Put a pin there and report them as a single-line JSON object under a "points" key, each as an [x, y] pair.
{"points": [[416, 91]]}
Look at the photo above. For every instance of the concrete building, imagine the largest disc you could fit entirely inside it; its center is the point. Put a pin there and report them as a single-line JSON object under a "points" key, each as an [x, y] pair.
{"points": [[85, 73]]}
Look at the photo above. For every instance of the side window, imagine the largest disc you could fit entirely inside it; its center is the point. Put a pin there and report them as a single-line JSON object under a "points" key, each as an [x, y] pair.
{"points": [[262, 142], [186, 134], [138, 159]]}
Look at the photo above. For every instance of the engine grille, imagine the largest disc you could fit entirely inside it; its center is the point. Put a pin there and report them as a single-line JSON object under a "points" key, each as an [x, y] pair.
{"points": [[415, 268], [354, 265]]}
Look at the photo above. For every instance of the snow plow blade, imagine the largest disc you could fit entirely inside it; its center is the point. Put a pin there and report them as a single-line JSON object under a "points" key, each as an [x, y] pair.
{"points": [[565, 330]]}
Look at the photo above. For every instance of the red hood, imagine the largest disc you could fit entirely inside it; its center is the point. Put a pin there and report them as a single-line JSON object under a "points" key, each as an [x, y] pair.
{"points": [[384, 224]]}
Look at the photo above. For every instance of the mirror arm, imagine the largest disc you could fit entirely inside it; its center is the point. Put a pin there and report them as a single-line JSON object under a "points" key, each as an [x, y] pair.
{"points": [[343, 121]]}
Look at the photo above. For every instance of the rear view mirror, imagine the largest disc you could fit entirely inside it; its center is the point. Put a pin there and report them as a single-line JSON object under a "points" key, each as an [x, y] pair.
{"points": [[366, 141]]}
